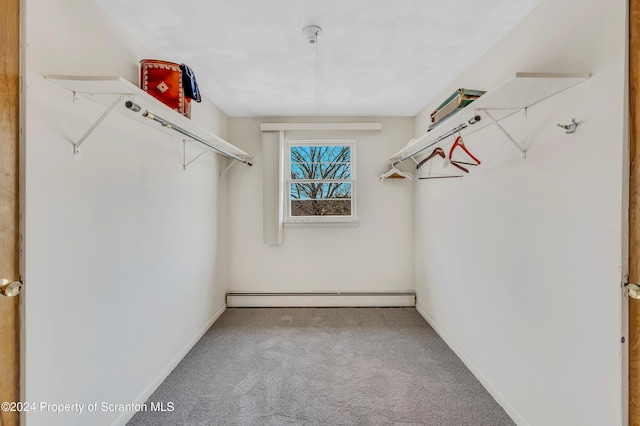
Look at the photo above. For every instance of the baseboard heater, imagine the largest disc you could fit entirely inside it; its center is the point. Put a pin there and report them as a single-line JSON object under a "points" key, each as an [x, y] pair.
{"points": [[247, 299]]}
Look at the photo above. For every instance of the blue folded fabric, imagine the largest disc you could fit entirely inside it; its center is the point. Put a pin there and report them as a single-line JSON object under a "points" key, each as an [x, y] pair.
{"points": [[189, 83]]}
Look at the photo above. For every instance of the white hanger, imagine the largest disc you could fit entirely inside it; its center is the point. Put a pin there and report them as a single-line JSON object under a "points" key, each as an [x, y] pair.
{"points": [[394, 173]]}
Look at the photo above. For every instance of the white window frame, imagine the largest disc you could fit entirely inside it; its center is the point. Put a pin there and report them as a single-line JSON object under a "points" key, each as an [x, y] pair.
{"points": [[288, 218]]}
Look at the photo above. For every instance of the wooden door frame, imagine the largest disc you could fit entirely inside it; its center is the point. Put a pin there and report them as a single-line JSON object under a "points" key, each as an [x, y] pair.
{"points": [[634, 211], [10, 35], [22, 111]]}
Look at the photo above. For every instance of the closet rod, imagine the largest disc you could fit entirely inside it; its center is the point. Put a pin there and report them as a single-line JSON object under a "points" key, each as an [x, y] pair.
{"points": [[472, 120], [146, 113]]}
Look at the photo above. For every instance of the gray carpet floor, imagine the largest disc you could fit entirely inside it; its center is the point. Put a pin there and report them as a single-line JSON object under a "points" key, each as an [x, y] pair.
{"points": [[322, 366]]}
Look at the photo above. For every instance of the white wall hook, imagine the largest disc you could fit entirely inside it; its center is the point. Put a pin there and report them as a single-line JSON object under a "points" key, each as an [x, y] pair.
{"points": [[570, 128]]}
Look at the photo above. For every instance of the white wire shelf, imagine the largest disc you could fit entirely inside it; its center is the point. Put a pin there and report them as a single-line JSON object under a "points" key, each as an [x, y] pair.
{"points": [[520, 92], [114, 91]]}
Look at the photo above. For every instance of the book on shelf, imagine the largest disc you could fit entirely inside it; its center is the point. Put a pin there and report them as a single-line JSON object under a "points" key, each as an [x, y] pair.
{"points": [[454, 103], [437, 123]]}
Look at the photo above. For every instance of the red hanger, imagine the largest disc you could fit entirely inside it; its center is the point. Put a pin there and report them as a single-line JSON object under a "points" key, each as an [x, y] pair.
{"points": [[459, 143], [439, 151], [457, 164]]}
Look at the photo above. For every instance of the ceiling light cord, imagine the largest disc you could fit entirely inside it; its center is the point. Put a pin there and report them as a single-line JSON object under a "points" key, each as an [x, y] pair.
{"points": [[313, 33], [316, 106]]}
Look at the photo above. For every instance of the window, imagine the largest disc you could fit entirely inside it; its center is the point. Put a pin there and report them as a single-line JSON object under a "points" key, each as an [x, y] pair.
{"points": [[321, 184]]}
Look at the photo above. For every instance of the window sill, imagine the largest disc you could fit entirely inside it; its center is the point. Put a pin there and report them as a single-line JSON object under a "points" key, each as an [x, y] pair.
{"points": [[336, 223]]}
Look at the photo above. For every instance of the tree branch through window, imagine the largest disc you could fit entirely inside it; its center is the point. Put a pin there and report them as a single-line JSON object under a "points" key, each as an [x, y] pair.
{"points": [[321, 180]]}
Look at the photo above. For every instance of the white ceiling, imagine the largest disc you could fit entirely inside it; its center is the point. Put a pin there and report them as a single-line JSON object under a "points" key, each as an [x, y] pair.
{"points": [[375, 57]]}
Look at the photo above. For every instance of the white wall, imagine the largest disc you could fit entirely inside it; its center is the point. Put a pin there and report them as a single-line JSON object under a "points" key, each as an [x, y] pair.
{"points": [[519, 264], [374, 256], [125, 262]]}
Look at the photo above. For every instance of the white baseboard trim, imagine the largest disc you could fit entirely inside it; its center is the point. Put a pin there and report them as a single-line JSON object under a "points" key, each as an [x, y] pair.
{"points": [[243, 299], [146, 393], [495, 393]]}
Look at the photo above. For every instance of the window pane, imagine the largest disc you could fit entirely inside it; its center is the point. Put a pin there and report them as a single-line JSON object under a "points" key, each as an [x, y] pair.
{"points": [[320, 190], [321, 207], [320, 162], [334, 171], [325, 153]]}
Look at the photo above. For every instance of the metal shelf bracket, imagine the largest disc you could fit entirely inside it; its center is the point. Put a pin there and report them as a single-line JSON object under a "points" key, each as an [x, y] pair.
{"points": [[523, 153], [228, 167], [186, 163], [76, 146]]}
